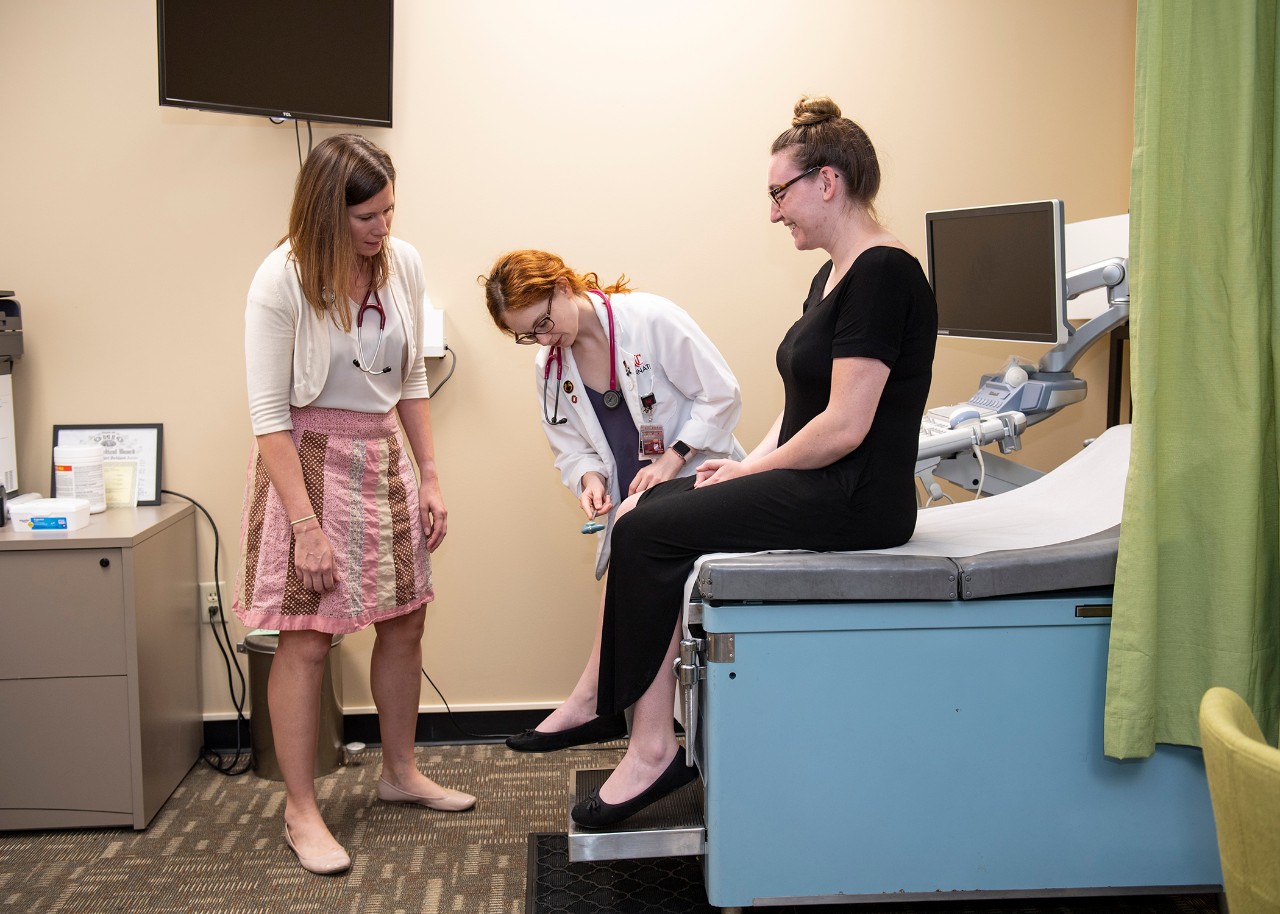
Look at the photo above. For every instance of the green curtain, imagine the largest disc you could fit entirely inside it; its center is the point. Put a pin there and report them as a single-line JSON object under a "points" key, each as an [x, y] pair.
{"points": [[1197, 599]]}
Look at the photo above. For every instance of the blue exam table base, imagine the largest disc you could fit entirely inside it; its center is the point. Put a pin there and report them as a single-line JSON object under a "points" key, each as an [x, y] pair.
{"points": [[951, 742], [933, 747]]}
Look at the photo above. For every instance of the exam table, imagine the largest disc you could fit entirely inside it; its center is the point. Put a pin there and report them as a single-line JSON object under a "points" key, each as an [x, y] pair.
{"points": [[922, 721]]}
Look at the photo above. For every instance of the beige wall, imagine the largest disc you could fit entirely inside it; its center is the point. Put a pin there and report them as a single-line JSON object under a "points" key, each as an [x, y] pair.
{"points": [[626, 137]]}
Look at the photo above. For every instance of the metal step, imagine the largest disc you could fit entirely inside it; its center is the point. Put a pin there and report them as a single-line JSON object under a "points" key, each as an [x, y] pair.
{"points": [[672, 827]]}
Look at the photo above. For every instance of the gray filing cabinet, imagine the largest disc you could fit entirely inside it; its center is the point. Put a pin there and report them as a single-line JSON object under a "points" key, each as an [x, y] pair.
{"points": [[99, 669]]}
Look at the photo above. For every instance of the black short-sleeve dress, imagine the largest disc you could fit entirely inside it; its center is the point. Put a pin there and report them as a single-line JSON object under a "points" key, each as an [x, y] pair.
{"points": [[882, 308]]}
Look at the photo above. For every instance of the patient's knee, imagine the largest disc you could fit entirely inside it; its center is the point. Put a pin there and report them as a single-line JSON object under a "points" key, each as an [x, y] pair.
{"points": [[627, 504], [634, 528]]}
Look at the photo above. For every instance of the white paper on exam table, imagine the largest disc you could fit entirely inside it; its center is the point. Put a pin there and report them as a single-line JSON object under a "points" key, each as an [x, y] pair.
{"points": [[1083, 496]]}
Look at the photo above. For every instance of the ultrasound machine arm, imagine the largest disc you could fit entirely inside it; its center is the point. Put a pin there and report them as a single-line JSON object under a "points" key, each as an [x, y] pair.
{"points": [[1114, 275], [1008, 401]]}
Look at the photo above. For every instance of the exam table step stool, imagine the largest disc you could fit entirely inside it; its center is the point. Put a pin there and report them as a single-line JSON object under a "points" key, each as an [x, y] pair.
{"points": [[671, 827]]}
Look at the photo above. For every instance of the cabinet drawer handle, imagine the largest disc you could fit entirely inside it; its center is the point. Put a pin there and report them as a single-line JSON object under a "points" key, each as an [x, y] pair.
{"points": [[105, 563]]}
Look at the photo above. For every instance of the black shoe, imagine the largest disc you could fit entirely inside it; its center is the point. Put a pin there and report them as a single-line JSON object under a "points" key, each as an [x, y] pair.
{"points": [[596, 730], [594, 812]]}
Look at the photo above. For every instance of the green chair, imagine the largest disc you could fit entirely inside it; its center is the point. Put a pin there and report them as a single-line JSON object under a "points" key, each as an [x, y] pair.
{"points": [[1244, 786]]}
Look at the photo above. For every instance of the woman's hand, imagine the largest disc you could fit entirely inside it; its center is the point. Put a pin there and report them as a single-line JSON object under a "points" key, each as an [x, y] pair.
{"points": [[595, 496], [668, 466], [714, 471], [313, 560], [435, 521]]}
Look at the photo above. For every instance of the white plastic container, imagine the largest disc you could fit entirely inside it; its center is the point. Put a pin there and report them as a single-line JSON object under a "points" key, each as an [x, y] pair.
{"points": [[77, 473], [50, 515]]}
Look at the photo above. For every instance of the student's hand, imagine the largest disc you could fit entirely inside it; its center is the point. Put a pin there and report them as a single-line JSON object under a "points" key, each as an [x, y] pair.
{"points": [[595, 496], [313, 561], [668, 466]]}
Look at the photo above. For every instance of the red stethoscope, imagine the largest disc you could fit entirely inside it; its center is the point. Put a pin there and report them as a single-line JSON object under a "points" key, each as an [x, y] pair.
{"points": [[361, 362], [612, 397]]}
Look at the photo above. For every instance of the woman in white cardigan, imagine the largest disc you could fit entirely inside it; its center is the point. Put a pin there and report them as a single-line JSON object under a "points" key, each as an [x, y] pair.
{"points": [[337, 532]]}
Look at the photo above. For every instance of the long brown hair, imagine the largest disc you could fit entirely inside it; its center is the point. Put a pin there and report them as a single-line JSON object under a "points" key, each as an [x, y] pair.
{"points": [[522, 279], [820, 136], [342, 171]]}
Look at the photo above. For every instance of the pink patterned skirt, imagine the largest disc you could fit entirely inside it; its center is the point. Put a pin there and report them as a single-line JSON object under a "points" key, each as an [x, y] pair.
{"points": [[365, 496]]}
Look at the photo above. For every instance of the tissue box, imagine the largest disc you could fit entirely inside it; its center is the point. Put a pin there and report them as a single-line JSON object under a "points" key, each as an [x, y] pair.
{"points": [[50, 515]]}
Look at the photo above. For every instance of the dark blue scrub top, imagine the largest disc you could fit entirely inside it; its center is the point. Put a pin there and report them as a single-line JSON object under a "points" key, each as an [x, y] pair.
{"points": [[623, 438]]}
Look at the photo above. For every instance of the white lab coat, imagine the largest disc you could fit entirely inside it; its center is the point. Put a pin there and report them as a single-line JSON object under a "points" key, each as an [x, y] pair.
{"points": [[659, 349]]}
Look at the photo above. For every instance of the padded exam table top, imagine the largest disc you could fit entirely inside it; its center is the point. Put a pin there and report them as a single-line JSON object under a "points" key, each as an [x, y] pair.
{"points": [[1060, 532]]}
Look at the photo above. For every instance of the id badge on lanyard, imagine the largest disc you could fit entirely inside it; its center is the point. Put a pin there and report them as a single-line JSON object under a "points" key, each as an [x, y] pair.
{"points": [[652, 444], [652, 438]]}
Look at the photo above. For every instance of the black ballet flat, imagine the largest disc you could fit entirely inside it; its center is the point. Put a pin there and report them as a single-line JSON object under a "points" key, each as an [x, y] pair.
{"points": [[594, 812], [596, 730]]}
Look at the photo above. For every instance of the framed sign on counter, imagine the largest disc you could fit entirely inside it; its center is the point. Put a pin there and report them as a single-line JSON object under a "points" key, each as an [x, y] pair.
{"points": [[140, 443]]}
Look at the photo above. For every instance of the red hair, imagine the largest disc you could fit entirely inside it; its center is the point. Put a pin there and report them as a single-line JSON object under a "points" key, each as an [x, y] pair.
{"points": [[522, 279]]}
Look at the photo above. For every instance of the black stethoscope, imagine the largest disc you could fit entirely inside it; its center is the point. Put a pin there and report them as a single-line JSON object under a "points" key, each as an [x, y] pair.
{"points": [[361, 362], [612, 397]]}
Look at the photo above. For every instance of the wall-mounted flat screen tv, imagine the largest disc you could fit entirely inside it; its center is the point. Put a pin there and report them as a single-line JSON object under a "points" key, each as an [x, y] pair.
{"points": [[312, 60]]}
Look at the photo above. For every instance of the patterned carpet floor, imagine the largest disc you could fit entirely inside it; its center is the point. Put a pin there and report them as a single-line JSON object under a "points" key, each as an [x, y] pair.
{"points": [[216, 848]]}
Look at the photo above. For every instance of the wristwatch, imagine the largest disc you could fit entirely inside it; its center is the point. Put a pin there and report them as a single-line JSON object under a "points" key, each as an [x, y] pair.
{"points": [[682, 450]]}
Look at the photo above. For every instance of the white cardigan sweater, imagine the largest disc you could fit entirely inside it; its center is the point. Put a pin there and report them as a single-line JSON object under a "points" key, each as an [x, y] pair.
{"points": [[287, 347]]}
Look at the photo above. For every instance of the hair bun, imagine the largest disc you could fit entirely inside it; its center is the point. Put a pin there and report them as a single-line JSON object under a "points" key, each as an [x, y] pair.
{"points": [[810, 111]]}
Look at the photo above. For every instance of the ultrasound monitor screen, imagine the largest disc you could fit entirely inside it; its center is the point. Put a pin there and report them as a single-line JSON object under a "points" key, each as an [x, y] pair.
{"points": [[997, 271]]}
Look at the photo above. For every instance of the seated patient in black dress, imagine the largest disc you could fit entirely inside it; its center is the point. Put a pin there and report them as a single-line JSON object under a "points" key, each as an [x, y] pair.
{"points": [[835, 472]]}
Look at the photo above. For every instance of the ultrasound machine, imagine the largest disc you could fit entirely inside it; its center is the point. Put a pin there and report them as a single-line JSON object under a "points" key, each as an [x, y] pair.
{"points": [[997, 273]]}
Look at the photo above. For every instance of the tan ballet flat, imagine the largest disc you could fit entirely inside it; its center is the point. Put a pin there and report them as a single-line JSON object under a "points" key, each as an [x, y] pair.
{"points": [[449, 801], [334, 861]]}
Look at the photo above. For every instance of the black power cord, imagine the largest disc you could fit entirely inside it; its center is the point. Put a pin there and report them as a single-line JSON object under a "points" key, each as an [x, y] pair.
{"points": [[297, 140], [467, 733], [457, 726], [231, 766]]}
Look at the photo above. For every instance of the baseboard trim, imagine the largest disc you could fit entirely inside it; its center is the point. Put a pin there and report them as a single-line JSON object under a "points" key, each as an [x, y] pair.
{"points": [[433, 727]]}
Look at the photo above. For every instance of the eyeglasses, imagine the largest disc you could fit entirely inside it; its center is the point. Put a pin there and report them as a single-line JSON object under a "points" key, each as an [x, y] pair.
{"points": [[777, 193], [543, 324]]}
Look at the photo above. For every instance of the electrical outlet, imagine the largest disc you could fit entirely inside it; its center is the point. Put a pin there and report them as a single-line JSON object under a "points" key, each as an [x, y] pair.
{"points": [[209, 600]]}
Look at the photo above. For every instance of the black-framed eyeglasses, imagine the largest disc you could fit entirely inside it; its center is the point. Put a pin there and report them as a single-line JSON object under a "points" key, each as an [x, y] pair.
{"points": [[777, 193], [543, 324]]}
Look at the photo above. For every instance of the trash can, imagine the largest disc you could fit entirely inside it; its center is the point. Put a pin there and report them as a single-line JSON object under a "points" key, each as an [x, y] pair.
{"points": [[260, 645]]}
